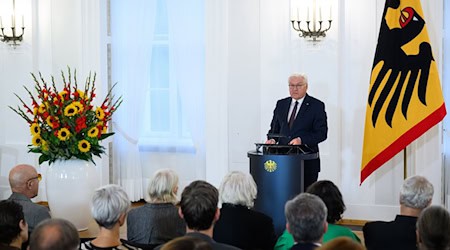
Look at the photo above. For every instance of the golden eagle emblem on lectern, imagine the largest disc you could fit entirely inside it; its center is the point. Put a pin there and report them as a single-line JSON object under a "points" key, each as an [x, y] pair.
{"points": [[270, 166]]}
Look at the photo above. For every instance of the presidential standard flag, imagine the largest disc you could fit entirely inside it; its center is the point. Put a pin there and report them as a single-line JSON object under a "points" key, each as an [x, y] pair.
{"points": [[405, 96]]}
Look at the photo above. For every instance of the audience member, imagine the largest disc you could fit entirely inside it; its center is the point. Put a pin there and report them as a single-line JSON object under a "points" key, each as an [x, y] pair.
{"points": [[332, 197], [198, 208], [24, 182], [342, 243], [433, 229], [110, 205], [238, 224], [13, 228], [416, 194], [54, 234], [306, 216], [187, 243], [157, 221]]}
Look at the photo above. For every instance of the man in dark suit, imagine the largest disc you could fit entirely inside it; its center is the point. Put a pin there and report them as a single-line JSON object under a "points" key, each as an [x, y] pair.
{"points": [[300, 120], [416, 194], [24, 181], [306, 220]]}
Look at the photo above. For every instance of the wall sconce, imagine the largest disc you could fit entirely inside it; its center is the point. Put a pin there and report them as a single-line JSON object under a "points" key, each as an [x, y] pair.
{"points": [[313, 29], [14, 39]]}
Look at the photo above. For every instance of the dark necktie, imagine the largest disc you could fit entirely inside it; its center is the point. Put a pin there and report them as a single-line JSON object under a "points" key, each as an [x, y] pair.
{"points": [[292, 118]]}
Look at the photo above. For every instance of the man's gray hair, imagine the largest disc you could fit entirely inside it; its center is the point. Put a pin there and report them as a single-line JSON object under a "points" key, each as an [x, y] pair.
{"points": [[238, 188], [54, 234], [108, 204], [306, 215], [301, 75], [416, 192], [162, 186]]}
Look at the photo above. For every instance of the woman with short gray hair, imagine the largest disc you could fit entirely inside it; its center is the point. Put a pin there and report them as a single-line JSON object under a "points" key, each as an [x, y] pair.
{"points": [[157, 221], [109, 208], [239, 225]]}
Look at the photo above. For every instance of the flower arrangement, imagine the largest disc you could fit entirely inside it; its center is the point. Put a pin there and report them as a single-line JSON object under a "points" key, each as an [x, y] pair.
{"points": [[65, 124]]}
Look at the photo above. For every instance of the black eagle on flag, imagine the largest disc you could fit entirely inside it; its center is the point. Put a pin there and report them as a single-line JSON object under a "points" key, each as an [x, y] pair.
{"points": [[405, 97]]}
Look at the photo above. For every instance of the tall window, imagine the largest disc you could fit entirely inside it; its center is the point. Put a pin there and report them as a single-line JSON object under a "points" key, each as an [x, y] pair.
{"points": [[163, 123]]}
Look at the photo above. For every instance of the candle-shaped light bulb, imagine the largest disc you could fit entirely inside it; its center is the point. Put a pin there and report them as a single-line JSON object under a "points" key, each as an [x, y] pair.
{"points": [[298, 14], [307, 14], [320, 13], [23, 22], [12, 21], [1, 23], [331, 11]]}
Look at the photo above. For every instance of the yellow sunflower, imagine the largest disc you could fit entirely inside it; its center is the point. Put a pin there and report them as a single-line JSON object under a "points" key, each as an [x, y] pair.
{"points": [[99, 113], [42, 108], [37, 140], [35, 129], [51, 119], [93, 132], [79, 107], [84, 146], [70, 110], [63, 134], [63, 94]]}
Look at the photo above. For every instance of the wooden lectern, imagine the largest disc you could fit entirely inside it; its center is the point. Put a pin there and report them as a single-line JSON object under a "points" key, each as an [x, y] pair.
{"points": [[278, 173]]}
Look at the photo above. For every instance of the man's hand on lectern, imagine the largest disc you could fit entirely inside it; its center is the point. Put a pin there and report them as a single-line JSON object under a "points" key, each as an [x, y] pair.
{"points": [[271, 141], [296, 141]]}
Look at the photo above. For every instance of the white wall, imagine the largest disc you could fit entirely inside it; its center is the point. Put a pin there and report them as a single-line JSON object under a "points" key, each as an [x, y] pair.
{"points": [[250, 51]]}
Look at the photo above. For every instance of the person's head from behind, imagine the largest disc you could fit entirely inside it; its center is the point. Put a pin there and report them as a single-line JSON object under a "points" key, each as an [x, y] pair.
{"points": [[341, 243], [54, 234], [298, 85], [187, 243], [306, 216], [433, 229], [109, 206], [163, 187], [238, 188], [13, 228], [416, 192], [24, 179], [331, 196], [198, 205]]}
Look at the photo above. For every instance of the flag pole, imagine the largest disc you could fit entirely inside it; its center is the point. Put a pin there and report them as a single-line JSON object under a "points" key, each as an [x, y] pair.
{"points": [[405, 165]]}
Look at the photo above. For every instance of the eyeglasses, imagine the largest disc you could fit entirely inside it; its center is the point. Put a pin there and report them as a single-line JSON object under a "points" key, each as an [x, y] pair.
{"points": [[39, 177], [296, 86]]}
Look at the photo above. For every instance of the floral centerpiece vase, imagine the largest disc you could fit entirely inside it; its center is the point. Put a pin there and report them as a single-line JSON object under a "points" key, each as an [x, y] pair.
{"points": [[67, 132]]}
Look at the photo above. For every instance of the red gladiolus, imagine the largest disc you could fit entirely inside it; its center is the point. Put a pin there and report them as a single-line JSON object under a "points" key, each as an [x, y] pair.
{"points": [[80, 123]]}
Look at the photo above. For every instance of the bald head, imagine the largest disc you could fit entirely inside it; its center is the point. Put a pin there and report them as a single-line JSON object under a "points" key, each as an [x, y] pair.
{"points": [[54, 234], [22, 179]]}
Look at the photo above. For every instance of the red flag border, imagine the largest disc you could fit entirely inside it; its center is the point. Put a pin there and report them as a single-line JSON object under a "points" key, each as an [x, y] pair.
{"points": [[403, 141]]}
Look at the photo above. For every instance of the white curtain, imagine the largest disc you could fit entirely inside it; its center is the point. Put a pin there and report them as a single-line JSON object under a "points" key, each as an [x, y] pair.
{"points": [[187, 63], [132, 28]]}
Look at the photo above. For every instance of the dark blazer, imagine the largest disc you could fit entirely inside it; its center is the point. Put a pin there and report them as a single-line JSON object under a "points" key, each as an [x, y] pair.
{"points": [[304, 246], [244, 228], [310, 125], [33, 213], [397, 234]]}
